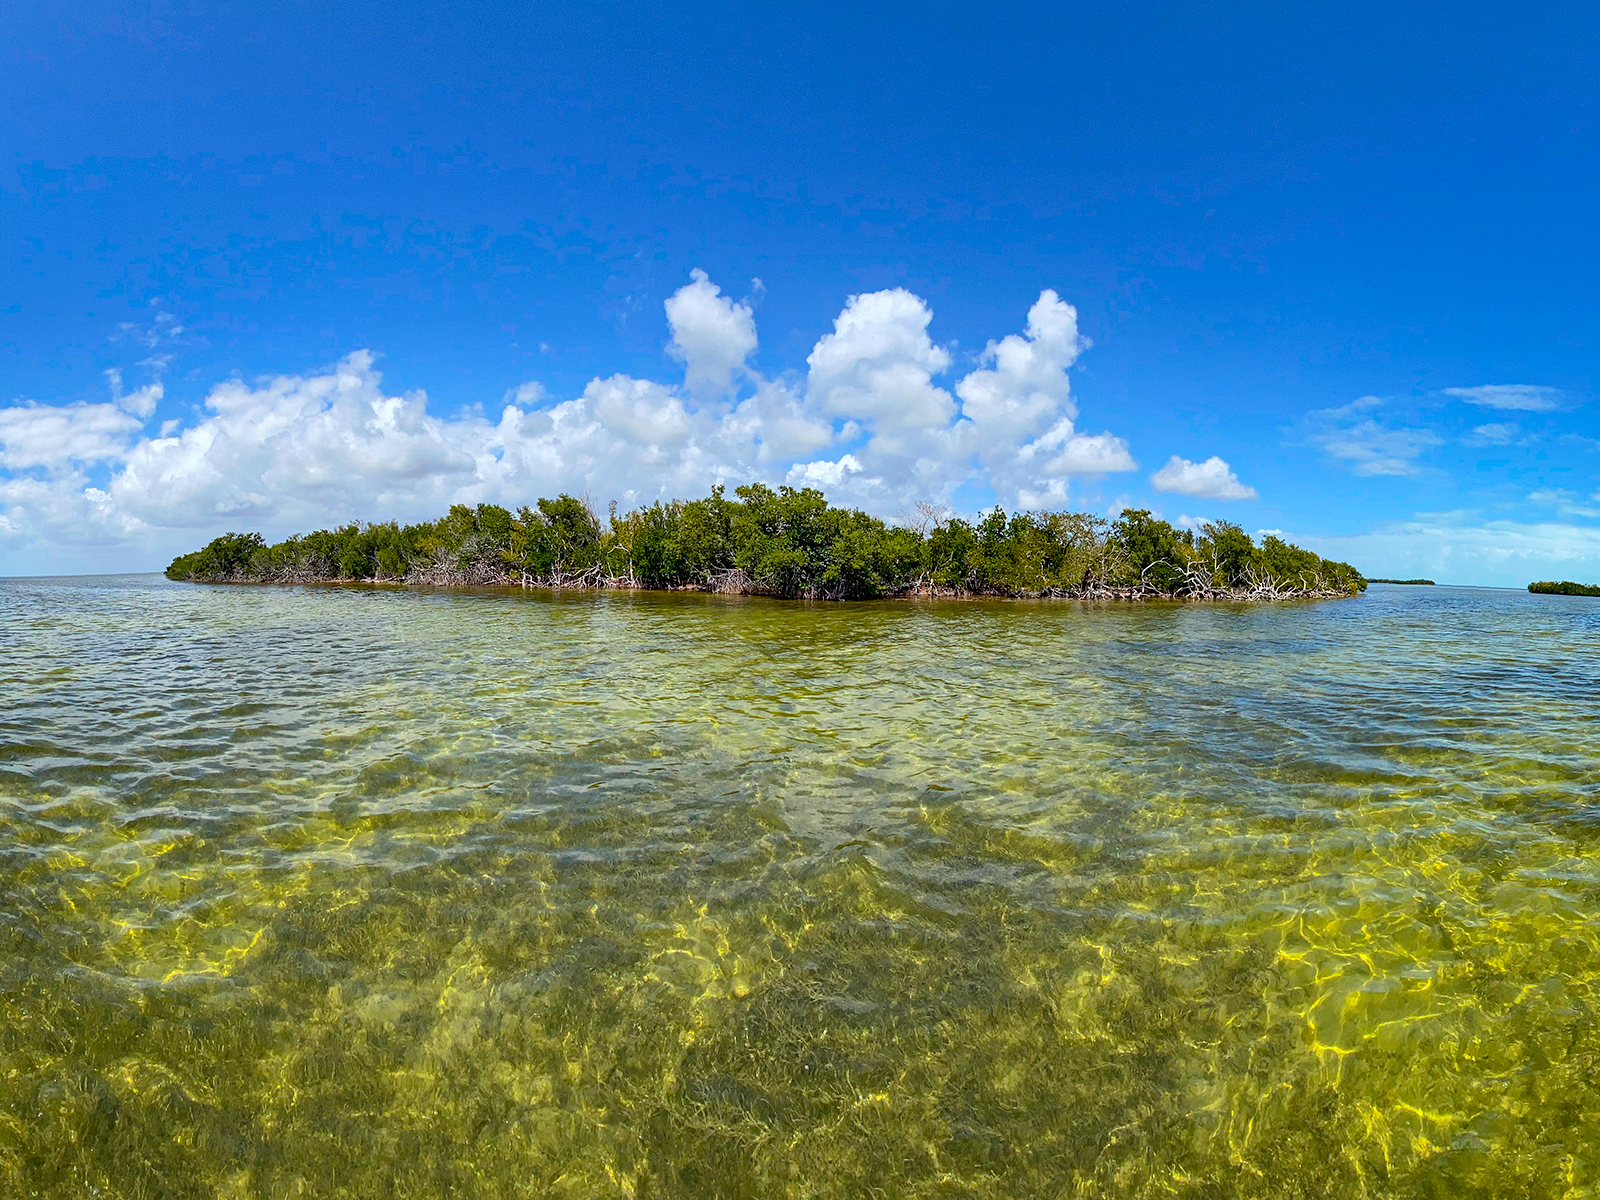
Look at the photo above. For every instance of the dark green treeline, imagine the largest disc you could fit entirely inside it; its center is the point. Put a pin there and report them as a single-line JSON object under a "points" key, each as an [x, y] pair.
{"points": [[787, 543], [1566, 587]]}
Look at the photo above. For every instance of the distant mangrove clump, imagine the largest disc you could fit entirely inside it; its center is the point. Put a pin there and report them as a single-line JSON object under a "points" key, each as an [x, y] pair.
{"points": [[1566, 587], [1428, 582], [787, 543]]}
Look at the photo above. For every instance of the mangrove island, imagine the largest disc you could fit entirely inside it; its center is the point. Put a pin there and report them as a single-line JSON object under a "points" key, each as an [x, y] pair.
{"points": [[1566, 587], [788, 543]]}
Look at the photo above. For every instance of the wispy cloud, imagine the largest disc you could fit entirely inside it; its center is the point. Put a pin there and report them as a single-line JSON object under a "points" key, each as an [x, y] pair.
{"points": [[1565, 502], [1351, 432], [1499, 433], [162, 329], [141, 402], [1454, 548], [1514, 397]]}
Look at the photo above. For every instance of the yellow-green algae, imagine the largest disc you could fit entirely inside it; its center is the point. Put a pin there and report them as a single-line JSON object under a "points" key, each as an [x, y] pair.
{"points": [[344, 892]]}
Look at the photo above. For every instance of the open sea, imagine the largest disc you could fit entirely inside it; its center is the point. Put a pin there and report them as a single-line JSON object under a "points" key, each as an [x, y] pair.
{"points": [[366, 892]]}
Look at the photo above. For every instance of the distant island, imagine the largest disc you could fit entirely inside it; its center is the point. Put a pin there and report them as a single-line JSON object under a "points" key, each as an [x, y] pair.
{"points": [[1565, 588], [792, 544], [1428, 582]]}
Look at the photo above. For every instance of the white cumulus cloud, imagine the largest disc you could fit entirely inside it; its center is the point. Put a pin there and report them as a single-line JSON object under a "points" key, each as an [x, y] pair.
{"points": [[870, 423], [1022, 397], [878, 364], [1209, 480], [823, 474], [51, 435], [711, 335]]}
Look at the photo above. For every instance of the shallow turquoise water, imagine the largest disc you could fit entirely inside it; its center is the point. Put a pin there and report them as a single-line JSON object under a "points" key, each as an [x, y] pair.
{"points": [[361, 892]]}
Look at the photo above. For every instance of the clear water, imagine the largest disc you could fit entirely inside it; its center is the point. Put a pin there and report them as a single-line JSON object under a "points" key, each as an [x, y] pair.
{"points": [[345, 892]]}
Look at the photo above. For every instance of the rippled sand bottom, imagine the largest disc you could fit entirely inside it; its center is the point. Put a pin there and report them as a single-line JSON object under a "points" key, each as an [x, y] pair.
{"points": [[343, 892]]}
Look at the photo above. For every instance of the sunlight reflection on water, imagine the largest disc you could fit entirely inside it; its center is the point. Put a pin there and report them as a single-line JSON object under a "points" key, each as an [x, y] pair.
{"points": [[368, 892]]}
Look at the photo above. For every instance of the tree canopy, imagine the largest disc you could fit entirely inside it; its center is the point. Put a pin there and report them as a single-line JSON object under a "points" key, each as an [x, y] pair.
{"points": [[1548, 587], [791, 543]]}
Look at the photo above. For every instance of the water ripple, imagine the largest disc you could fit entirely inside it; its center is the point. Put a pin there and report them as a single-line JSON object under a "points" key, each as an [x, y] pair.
{"points": [[372, 892]]}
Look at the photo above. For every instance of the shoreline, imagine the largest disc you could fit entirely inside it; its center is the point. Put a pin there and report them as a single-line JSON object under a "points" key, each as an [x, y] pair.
{"points": [[920, 592]]}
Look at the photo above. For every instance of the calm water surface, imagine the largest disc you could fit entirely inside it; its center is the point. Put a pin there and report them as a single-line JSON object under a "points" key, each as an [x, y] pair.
{"points": [[366, 893]]}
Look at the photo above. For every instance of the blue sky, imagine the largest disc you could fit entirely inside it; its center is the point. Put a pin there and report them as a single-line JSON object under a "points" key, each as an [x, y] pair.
{"points": [[277, 266]]}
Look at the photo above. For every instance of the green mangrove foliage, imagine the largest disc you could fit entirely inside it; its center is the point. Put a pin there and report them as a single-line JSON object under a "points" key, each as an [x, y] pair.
{"points": [[1566, 587], [787, 543]]}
